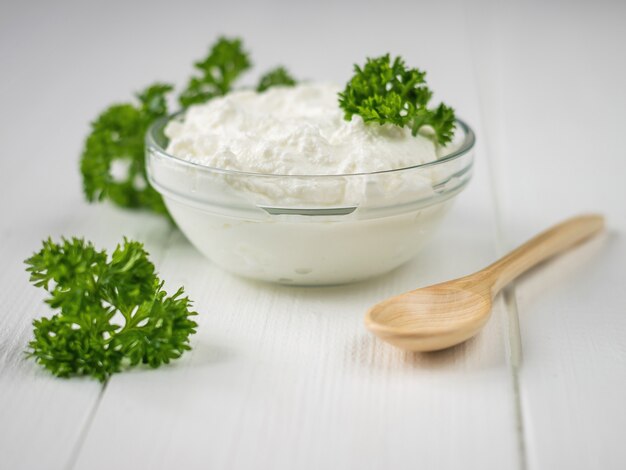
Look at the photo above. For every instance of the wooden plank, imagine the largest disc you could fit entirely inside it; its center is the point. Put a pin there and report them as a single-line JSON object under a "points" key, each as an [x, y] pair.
{"points": [[287, 377], [558, 99], [49, 94], [279, 377]]}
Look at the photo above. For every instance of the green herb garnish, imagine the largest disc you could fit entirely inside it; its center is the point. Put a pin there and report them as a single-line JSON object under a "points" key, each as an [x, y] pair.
{"points": [[112, 313], [389, 92], [113, 158], [117, 138], [275, 77], [225, 63]]}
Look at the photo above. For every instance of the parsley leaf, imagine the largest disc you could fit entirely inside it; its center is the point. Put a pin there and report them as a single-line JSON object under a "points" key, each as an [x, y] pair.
{"points": [[116, 142], [112, 313], [384, 92], [225, 63], [275, 77]]}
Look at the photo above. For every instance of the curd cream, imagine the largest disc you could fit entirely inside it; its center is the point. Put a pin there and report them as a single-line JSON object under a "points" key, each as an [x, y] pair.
{"points": [[297, 130]]}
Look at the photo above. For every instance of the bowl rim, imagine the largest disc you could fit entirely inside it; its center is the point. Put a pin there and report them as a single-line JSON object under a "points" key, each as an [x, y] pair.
{"points": [[151, 142]]}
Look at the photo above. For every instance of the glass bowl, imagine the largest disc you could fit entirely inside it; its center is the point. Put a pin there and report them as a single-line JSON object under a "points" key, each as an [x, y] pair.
{"points": [[325, 229]]}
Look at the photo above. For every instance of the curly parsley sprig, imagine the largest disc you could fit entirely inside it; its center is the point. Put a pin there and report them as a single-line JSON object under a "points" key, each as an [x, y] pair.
{"points": [[275, 77], [112, 313], [226, 61], [384, 92], [117, 138], [113, 158]]}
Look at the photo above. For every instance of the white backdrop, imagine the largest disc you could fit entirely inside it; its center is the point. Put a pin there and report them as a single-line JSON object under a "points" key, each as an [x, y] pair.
{"points": [[287, 377]]}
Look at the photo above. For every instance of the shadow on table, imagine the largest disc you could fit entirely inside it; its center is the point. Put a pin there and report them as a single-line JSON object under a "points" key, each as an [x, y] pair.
{"points": [[371, 352]]}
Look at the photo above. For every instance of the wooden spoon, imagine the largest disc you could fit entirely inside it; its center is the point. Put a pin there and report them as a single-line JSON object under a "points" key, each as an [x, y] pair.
{"points": [[446, 314]]}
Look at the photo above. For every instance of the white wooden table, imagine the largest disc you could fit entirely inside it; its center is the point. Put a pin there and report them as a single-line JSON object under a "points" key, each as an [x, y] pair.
{"points": [[287, 378]]}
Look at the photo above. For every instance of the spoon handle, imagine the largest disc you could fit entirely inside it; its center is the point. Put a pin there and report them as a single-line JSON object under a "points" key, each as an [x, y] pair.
{"points": [[543, 246]]}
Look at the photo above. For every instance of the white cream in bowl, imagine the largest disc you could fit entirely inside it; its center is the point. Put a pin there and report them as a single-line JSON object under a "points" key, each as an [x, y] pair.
{"points": [[278, 186]]}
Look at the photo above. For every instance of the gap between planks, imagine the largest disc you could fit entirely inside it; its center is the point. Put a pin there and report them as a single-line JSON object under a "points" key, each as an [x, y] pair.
{"points": [[75, 453], [494, 146], [514, 345], [71, 463]]}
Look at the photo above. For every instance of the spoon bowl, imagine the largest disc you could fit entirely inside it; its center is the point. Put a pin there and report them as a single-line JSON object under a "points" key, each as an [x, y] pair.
{"points": [[446, 314], [432, 318]]}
